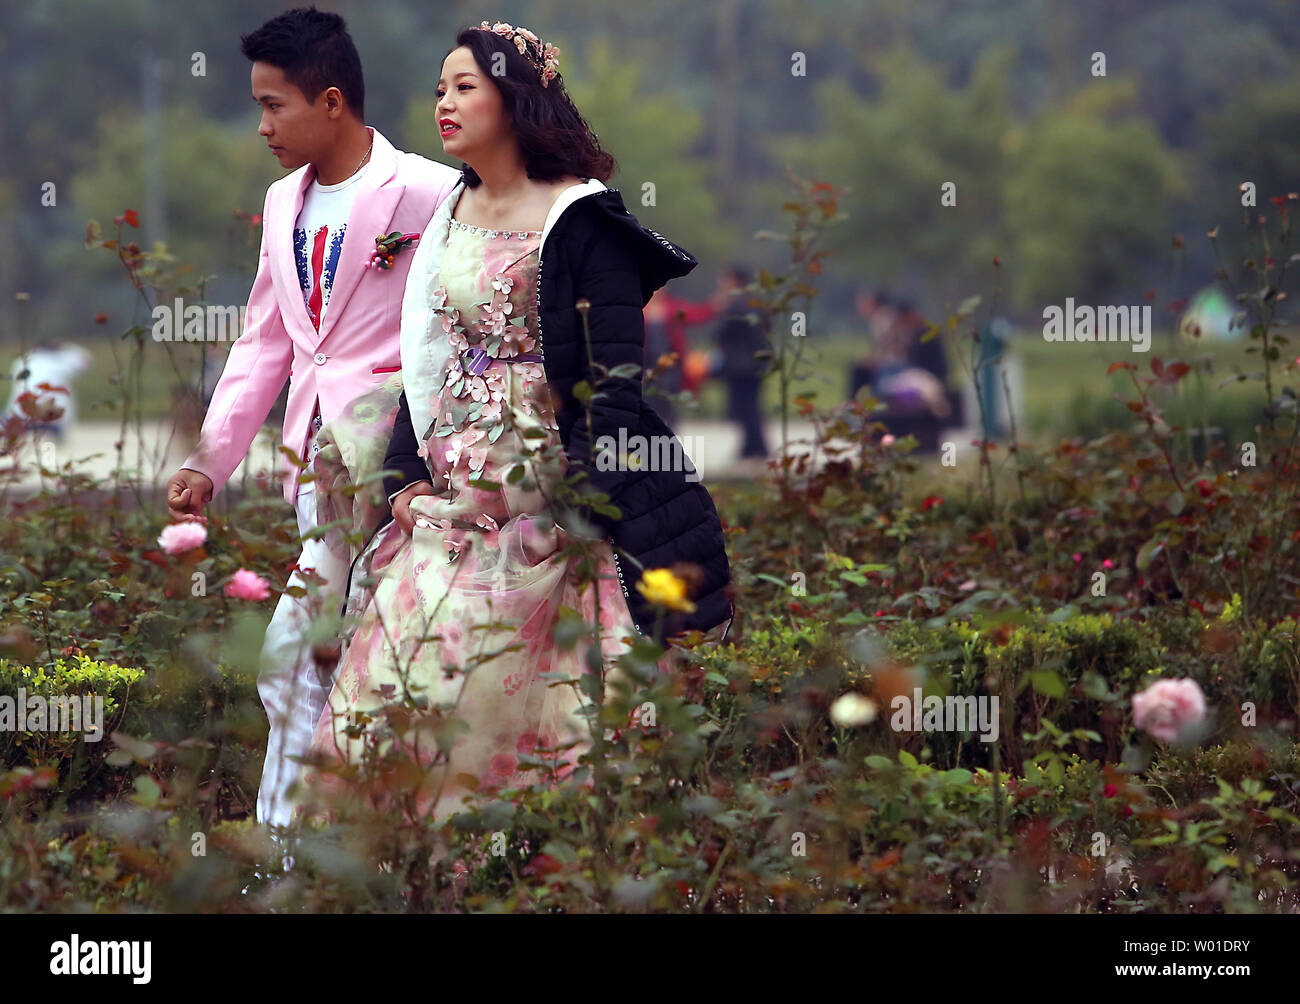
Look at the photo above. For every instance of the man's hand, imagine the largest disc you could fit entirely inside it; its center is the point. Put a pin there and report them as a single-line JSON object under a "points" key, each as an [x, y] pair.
{"points": [[402, 504], [187, 493]]}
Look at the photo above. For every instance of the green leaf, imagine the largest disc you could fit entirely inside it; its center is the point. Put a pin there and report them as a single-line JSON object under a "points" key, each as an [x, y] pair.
{"points": [[1094, 685], [878, 762], [148, 789], [1147, 552], [906, 759], [1047, 683]]}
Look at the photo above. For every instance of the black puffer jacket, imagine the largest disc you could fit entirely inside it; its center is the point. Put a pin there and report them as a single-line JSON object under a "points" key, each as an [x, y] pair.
{"points": [[599, 252]]}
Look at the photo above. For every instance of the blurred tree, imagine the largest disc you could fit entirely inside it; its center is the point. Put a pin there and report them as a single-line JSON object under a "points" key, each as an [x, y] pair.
{"points": [[65, 65], [1255, 136], [1085, 196], [212, 167], [896, 151]]}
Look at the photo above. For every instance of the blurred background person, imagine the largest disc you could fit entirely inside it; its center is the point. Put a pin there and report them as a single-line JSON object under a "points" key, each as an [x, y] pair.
{"points": [[56, 366], [666, 320], [741, 336], [907, 375], [994, 337], [886, 350], [920, 382]]}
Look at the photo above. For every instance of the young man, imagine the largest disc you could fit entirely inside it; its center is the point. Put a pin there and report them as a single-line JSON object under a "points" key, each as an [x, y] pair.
{"points": [[317, 317]]}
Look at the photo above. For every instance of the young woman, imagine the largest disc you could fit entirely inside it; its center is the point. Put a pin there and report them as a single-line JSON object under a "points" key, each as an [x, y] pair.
{"points": [[463, 588]]}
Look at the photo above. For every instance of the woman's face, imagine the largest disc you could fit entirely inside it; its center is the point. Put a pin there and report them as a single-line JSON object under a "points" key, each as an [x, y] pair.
{"points": [[470, 113]]}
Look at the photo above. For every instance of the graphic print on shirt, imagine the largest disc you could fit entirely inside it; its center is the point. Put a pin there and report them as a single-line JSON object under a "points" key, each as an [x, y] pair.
{"points": [[316, 266]]}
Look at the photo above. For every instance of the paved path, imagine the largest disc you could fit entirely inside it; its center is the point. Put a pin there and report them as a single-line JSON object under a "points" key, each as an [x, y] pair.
{"points": [[713, 447]]}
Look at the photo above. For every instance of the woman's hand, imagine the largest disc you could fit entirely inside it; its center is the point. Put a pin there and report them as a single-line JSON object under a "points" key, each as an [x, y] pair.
{"points": [[402, 515]]}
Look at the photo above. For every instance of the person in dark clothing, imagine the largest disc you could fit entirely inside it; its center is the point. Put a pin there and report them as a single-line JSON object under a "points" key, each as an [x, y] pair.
{"points": [[907, 375], [741, 336]]}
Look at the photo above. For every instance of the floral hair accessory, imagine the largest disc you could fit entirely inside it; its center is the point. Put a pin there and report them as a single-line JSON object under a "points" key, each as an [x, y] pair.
{"points": [[544, 57], [387, 246]]}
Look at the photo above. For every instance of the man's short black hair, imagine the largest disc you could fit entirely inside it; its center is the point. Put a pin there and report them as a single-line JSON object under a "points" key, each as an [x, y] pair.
{"points": [[314, 50]]}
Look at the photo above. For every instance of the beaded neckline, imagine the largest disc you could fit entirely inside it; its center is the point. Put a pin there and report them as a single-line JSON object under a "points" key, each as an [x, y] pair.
{"points": [[519, 234]]}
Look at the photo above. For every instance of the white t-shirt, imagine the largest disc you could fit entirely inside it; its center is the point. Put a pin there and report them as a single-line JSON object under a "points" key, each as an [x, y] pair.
{"points": [[318, 239]]}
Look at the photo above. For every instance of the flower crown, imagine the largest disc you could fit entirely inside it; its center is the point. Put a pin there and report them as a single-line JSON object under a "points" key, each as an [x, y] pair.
{"points": [[545, 58]]}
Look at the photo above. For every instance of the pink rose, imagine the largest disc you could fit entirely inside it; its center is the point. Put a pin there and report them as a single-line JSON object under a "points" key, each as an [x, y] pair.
{"points": [[887, 439], [246, 585], [1168, 708], [177, 538]]}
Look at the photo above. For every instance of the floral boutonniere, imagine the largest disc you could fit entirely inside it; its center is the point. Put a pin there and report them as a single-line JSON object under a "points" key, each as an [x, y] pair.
{"points": [[387, 247]]}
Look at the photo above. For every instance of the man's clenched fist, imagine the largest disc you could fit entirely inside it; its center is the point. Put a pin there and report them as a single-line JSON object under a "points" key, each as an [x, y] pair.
{"points": [[187, 493]]}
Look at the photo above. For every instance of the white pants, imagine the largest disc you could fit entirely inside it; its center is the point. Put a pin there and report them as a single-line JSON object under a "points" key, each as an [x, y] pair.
{"points": [[289, 684]]}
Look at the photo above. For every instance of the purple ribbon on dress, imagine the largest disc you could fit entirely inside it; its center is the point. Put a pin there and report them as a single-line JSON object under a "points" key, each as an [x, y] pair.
{"points": [[479, 359]]}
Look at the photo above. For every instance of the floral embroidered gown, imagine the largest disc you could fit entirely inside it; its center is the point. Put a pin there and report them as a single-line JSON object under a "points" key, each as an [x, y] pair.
{"points": [[482, 572]]}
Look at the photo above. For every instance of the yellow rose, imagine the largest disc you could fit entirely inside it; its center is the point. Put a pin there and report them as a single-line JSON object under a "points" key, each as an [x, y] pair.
{"points": [[664, 589]]}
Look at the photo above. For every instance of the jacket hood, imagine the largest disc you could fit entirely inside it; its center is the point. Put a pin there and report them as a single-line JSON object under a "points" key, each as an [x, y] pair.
{"points": [[658, 258]]}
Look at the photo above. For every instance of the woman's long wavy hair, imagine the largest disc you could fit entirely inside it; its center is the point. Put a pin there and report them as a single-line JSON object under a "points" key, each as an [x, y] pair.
{"points": [[553, 136]]}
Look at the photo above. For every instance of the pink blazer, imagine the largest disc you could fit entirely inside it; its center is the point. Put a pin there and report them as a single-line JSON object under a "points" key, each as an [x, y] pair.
{"points": [[356, 348]]}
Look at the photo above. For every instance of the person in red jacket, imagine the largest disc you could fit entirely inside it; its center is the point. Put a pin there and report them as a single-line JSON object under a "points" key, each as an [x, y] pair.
{"points": [[666, 318]]}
